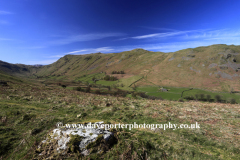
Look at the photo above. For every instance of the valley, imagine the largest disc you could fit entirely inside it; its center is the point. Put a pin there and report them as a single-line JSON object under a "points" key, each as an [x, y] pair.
{"points": [[192, 85]]}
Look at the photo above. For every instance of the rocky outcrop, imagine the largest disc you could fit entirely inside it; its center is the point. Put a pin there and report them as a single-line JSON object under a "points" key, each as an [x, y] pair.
{"points": [[82, 139]]}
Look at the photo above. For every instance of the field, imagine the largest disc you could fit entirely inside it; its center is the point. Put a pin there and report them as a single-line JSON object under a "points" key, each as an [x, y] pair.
{"points": [[31, 110], [123, 83], [175, 93], [88, 78]]}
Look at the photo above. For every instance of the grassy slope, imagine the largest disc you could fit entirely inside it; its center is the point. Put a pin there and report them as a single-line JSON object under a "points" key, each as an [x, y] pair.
{"points": [[33, 110], [20, 70], [175, 93], [158, 68], [185, 68]]}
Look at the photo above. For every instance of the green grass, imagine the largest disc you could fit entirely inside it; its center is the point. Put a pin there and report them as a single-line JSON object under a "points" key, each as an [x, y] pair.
{"points": [[106, 83], [89, 77], [175, 93], [128, 81], [7, 77], [32, 111]]}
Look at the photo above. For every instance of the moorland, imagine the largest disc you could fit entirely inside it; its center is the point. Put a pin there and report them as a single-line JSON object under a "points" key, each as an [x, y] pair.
{"points": [[191, 85]]}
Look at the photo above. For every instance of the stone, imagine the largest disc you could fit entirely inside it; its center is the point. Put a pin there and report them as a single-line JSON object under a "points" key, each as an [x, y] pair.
{"points": [[77, 138], [170, 59]]}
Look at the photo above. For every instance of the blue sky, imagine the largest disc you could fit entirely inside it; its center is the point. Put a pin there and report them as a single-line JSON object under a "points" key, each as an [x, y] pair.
{"points": [[42, 31]]}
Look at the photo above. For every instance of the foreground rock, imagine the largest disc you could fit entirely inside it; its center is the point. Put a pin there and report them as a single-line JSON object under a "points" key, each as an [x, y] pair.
{"points": [[82, 141]]}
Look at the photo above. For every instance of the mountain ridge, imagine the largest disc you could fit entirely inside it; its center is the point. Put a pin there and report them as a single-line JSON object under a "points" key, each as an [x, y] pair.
{"points": [[212, 67]]}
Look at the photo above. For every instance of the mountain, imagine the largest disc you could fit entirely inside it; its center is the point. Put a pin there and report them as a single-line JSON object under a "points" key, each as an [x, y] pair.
{"points": [[37, 65], [20, 70], [213, 67]]}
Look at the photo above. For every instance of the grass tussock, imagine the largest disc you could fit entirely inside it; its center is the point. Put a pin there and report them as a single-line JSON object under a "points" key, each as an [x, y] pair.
{"points": [[29, 112]]}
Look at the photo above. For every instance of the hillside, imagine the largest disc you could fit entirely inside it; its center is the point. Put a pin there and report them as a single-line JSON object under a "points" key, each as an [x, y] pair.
{"points": [[32, 109], [29, 113], [213, 67], [20, 70]]}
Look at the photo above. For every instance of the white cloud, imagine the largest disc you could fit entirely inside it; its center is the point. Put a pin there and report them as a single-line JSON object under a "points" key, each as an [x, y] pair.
{"points": [[171, 46], [43, 62], [75, 38], [85, 37], [86, 51], [186, 39], [78, 51], [146, 36], [165, 34], [56, 56], [92, 50], [214, 34]]}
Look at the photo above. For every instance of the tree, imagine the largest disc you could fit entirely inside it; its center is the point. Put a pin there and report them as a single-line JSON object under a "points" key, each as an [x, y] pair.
{"points": [[233, 101], [208, 97], [64, 86], [196, 95], [202, 96], [218, 98]]}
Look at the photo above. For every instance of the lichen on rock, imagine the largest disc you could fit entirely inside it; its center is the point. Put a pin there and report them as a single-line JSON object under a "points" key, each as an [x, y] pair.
{"points": [[83, 140]]}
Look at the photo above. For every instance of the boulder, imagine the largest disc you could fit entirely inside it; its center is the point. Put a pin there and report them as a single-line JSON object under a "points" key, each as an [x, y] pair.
{"points": [[81, 139]]}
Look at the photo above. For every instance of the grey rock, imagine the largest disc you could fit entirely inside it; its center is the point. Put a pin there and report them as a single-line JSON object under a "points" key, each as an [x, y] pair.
{"points": [[170, 59], [223, 67], [212, 65], [198, 71], [88, 132], [186, 58], [233, 65], [223, 75]]}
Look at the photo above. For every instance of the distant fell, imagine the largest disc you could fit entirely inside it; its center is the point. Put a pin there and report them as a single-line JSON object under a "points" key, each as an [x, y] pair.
{"points": [[214, 67]]}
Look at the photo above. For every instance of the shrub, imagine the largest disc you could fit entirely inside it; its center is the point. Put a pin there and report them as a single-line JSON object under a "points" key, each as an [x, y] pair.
{"points": [[154, 98], [202, 97], [143, 95], [3, 83], [108, 87], [97, 91], [110, 78], [118, 72], [218, 98], [134, 95], [180, 100], [189, 98], [233, 101], [64, 86], [78, 89], [208, 97], [197, 96], [88, 89]]}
